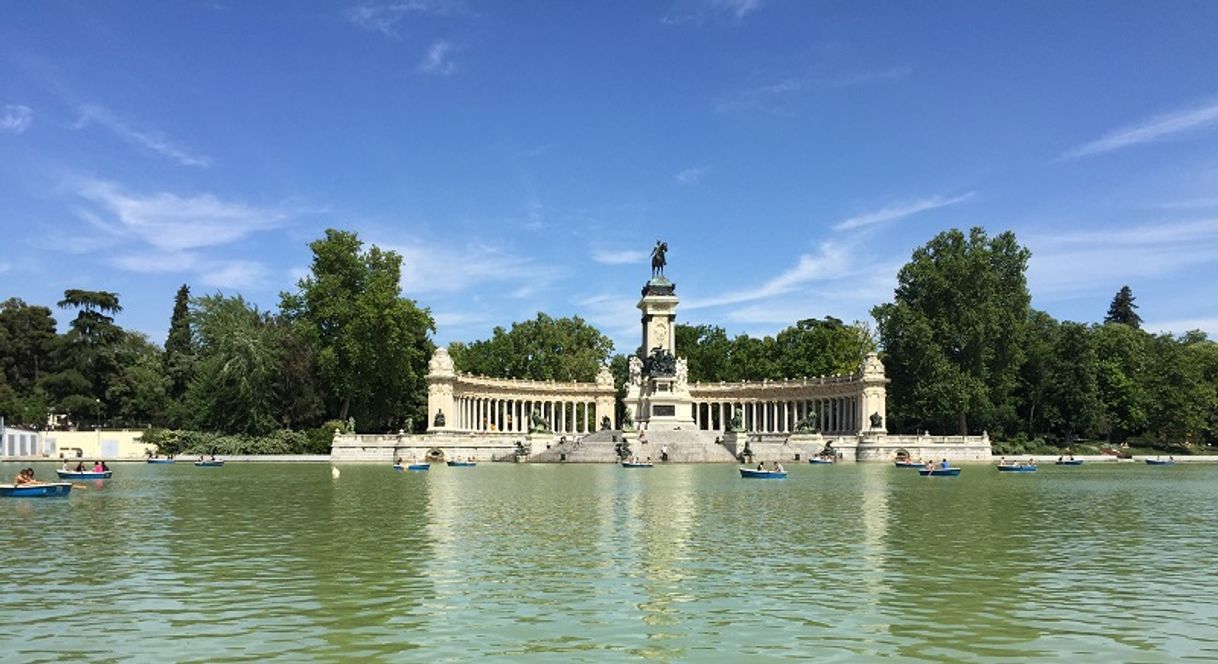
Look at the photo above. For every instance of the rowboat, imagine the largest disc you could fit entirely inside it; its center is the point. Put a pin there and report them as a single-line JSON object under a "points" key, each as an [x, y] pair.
{"points": [[752, 474], [83, 475], [947, 472], [35, 490], [1068, 462], [460, 464], [159, 461], [821, 462], [419, 466], [1160, 462], [214, 463], [910, 464], [635, 464], [1017, 468]]}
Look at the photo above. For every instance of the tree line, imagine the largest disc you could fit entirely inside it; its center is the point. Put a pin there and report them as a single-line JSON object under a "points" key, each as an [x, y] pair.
{"points": [[965, 351], [344, 346]]}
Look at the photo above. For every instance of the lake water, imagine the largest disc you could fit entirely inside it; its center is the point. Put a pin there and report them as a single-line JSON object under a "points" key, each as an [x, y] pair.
{"points": [[598, 563]]}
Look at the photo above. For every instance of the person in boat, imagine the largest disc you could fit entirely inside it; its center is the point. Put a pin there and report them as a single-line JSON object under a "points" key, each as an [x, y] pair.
{"points": [[777, 467], [105, 468], [1031, 461], [761, 465], [397, 461], [944, 465], [97, 467], [80, 467], [65, 467], [930, 465]]}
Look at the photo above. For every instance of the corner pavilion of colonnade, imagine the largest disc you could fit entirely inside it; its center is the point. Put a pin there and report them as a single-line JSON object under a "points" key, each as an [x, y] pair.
{"points": [[786, 420]]}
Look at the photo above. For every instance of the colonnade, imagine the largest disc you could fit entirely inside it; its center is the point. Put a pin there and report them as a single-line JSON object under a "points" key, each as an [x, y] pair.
{"points": [[493, 414], [833, 415]]}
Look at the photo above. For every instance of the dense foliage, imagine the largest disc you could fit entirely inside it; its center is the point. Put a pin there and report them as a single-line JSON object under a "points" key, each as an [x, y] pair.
{"points": [[964, 349]]}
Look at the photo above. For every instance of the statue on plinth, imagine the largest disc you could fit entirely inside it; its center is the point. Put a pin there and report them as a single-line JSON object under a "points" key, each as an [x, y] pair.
{"points": [[660, 362], [734, 425], [606, 424], [439, 419], [658, 261], [808, 424], [538, 424], [877, 421], [636, 371], [682, 373], [351, 424]]}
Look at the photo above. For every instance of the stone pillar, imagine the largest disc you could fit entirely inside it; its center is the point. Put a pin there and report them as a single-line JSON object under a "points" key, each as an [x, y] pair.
{"points": [[441, 378]]}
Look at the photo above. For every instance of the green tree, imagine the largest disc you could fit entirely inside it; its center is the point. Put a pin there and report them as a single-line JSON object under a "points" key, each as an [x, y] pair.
{"points": [[1122, 355], [815, 347], [179, 345], [87, 356], [234, 385], [372, 344], [707, 349], [544, 348], [138, 394], [1122, 309], [1036, 372], [953, 334], [1183, 402], [27, 338], [1072, 401]]}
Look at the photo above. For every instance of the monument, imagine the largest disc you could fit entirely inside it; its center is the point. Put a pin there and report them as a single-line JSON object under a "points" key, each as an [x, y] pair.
{"points": [[657, 391]]}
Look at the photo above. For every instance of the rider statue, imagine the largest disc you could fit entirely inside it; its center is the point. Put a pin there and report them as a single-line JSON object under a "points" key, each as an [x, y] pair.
{"points": [[657, 258]]}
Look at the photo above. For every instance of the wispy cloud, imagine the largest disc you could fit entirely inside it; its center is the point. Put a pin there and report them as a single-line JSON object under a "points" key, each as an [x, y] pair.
{"points": [[384, 17], [147, 139], [618, 256], [773, 95], [1151, 129], [698, 12], [829, 261], [5, 267], [1097, 262], [15, 118], [170, 222], [691, 176], [431, 268], [218, 273], [900, 211], [1180, 326], [438, 59]]}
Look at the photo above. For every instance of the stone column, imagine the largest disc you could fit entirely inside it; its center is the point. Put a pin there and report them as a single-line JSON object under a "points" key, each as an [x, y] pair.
{"points": [[441, 379]]}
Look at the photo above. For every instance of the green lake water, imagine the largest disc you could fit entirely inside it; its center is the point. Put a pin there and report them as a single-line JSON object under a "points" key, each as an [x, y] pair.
{"points": [[262, 562]]}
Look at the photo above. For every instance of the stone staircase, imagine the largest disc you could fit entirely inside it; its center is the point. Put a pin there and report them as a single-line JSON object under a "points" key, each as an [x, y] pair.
{"points": [[600, 447]]}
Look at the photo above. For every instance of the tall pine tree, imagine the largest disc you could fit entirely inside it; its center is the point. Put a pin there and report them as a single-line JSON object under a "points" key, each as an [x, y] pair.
{"points": [[179, 345], [1122, 309]]}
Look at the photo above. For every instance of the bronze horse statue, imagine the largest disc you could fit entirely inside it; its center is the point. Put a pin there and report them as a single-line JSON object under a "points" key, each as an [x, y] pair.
{"points": [[657, 258]]}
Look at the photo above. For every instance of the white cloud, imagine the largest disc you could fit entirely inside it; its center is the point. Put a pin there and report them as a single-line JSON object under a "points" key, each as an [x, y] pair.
{"points": [[429, 268], [438, 59], [15, 118], [384, 17], [235, 274], [619, 256], [1180, 326], [220, 273], [170, 222], [690, 175], [150, 140], [771, 96], [1100, 261], [697, 12], [830, 261], [5, 267], [1151, 129], [899, 211]]}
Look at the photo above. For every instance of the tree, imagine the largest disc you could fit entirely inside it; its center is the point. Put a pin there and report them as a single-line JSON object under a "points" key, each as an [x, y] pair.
{"points": [[179, 345], [234, 385], [1036, 372], [1122, 309], [27, 338], [372, 344], [544, 348], [953, 334], [1072, 400], [86, 357], [815, 347], [1183, 400], [707, 349], [139, 394], [1122, 353]]}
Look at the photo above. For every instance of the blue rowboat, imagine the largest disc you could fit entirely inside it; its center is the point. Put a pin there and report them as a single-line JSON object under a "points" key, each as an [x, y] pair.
{"points": [[910, 464], [749, 473], [399, 467], [419, 466], [83, 475], [1017, 468], [209, 464], [1068, 462], [821, 462], [160, 461], [461, 464], [36, 490], [1159, 462], [634, 464], [946, 472]]}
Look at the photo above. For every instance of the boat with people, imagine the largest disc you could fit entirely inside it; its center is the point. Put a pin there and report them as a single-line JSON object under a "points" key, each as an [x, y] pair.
{"points": [[419, 466], [83, 474], [1160, 462], [754, 474], [209, 463], [1017, 468], [910, 464], [1068, 462], [156, 460], [35, 490], [820, 461], [460, 464], [636, 464], [939, 471]]}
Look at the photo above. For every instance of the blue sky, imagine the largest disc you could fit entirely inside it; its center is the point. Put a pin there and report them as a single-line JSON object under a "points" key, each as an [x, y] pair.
{"points": [[525, 156]]}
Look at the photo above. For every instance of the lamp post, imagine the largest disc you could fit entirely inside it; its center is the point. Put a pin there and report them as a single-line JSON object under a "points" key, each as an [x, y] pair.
{"points": [[97, 425]]}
